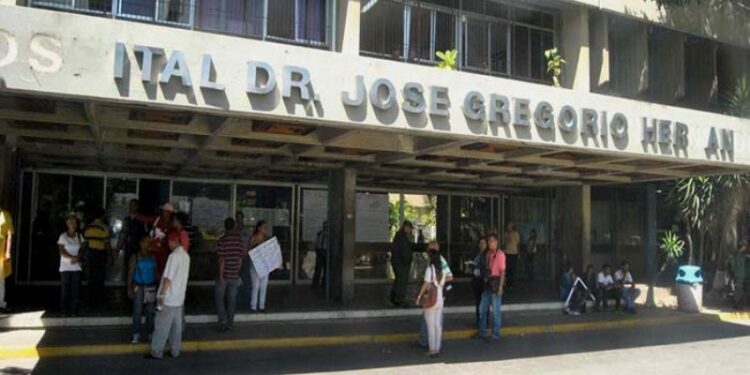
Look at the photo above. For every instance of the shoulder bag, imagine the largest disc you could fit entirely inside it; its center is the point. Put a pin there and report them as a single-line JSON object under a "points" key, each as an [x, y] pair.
{"points": [[429, 298]]}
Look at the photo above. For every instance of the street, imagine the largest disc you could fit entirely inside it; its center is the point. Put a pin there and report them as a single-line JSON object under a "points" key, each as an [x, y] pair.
{"points": [[654, 342]]}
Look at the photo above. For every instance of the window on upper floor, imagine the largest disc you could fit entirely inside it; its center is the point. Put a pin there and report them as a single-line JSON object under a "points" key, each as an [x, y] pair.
{"points": [[492, 37]]}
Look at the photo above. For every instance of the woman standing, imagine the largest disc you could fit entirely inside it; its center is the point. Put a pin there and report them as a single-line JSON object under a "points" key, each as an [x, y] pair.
{"points": [[435, 276], [477, 285], [69, 244], [259, 284]]}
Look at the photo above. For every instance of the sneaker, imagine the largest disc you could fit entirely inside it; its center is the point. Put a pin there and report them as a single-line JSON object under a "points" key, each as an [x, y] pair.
{"points": [[574, 313], [136, 338]]}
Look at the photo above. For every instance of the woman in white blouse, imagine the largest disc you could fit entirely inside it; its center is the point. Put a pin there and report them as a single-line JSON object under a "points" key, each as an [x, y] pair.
{"points": [[436, 274], [69, 244]]}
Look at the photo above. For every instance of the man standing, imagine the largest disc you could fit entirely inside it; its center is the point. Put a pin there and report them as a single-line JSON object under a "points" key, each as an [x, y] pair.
{"points": [[321, 257], [170, 300], [97, 236], [133, 229], [6, 237], [230, 250], [492, 269], [401, 258]]}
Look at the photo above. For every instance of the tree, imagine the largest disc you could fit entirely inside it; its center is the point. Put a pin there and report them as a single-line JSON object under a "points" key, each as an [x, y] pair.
{"points": [[555, 64]]}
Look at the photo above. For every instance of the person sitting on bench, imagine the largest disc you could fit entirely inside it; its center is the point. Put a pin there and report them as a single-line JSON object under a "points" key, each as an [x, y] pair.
{"points": [[606, 290]]}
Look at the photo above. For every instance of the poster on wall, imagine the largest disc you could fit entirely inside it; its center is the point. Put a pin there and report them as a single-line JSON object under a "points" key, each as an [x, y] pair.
{"points": [[266, 257], [372, 216]]}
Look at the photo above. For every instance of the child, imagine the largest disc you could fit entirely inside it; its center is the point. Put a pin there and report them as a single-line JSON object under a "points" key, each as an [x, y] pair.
{"points": [[142, 289]]}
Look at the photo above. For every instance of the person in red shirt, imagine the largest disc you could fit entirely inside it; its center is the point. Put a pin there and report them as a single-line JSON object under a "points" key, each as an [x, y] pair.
{"points": [[492, 274], [162, 226]]}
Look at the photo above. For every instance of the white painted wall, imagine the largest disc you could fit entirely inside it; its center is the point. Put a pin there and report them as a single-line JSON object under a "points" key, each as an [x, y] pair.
{"points": [[86, 44]]}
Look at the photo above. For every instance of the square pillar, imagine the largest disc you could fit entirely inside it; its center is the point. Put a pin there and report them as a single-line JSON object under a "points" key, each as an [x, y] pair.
{"points": [[347, 26], [574, 225], [599, 50], [650, 243], [342, 207], [574, 48]]}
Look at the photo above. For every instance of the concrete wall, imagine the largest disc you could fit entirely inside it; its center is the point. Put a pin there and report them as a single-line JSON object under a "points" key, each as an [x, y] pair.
{"points": [[599, 51], [58, 57], [573, 223], [574, 47]]}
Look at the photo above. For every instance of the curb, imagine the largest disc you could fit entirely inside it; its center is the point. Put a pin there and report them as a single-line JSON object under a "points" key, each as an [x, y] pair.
{"points": [[35, 319], [18, 352]]}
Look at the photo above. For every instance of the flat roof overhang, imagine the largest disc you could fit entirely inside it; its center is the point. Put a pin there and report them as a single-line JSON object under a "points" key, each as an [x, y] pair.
{"points": [[70, 99]]}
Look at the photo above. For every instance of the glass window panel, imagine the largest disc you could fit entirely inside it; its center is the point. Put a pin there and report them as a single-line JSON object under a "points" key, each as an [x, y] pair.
{"points": [[119, 193], [445, 3], [499, 47], [144, 9], [445, 32], [419, 34], [382, 28], [274, 205], [533, 214], [314, 211], [475, 45], [311, 20], [224, 15], [475, 6], [520, 52], [528, 16], [548, 20], [537, 55], [174, 11], [254, 17], [48, 223], [87, 195], [282, 19], [497, 10], [94, 5], [471, 219], [548, 42]]}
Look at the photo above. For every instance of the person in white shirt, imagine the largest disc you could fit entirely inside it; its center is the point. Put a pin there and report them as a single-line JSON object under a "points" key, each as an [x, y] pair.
{"points": [[170, 300], [69, 244], [435, 275], [606, 288], [625, 287]]}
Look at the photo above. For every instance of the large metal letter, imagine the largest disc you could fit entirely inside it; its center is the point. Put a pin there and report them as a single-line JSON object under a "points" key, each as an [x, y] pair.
{"points": [[439, 102], [255, 87], [474, 106], [665, 132], [39, 49], [414, 98], [543, 116], [568, 121], [207, 67], [619, 126], [390, 94], [727, 140], [521, 112], [120, 55], [649, 132], [302, 83], [503, 109], [12, 53], [680, 136], [359, 97], [589, 122], [176, 66], [713, 141], [147, 59]]}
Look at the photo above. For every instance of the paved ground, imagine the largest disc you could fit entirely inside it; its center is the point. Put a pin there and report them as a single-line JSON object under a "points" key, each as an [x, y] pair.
{"points": [[653, 342]]}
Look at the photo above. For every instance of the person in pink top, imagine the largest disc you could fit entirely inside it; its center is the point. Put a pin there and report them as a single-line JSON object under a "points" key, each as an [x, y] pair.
{"points": [[492, 274]]}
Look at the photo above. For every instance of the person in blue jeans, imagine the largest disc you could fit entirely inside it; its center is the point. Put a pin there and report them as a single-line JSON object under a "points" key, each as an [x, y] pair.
{"points": [[142, 289], [423, 337], [492, 273]]}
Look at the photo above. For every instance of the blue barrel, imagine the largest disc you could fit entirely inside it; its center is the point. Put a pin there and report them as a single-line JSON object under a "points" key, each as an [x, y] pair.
{"points": [[689, 275]]}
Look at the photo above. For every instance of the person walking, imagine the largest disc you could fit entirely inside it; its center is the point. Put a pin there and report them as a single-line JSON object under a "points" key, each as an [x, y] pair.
{"points": [[229, 250], [170, 300], [133, 230], [476, 280], [424, 341], [6, 239], [492, 268], [142, 290], [401, 258], [260, 284], [69, 244], [512, 240], [98, 251], [531, 249], [434, 280], [321, 257]]}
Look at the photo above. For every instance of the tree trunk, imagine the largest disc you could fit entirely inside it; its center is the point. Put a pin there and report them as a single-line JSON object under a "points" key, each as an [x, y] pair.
{"points": [[689, 243], [650, 302]]}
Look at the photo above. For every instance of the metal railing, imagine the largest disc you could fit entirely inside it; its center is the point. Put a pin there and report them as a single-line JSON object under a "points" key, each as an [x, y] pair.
{"points": [[305, 22]]}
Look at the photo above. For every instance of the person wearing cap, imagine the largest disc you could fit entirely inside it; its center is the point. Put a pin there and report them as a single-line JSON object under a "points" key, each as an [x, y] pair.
{"points": [[160, 231], [170, 300], [401, 258]]}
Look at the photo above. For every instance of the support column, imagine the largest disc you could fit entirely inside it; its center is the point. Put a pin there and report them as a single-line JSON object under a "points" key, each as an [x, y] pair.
{"points": [[342, 207], [347, 26], [599, 39], [574, 45], [7, 173], [650, 242], [574, 223]]}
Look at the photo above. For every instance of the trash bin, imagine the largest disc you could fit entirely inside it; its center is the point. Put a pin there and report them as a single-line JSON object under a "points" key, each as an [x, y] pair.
{"points": [[689, 288]]}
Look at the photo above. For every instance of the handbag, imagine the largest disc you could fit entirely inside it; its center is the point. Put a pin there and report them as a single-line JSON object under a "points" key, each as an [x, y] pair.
{"points": [[429, 298]]}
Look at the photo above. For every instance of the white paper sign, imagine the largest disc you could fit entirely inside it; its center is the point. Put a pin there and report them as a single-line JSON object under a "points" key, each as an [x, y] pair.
{"points": [[266, 257]]}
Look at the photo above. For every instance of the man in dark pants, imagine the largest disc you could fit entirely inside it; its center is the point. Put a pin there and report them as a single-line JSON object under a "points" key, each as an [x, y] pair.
{"points": [[97, 236], [321, 257], [401, 257]]}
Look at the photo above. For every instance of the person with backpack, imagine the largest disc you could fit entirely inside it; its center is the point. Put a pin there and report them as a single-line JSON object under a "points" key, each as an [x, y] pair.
{"points": [[142, 289], [69, 244], [492, 271], [430, 297]]}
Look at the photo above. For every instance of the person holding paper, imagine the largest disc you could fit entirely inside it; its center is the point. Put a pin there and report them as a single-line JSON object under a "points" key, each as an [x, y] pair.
{"points": [[260, 284]]}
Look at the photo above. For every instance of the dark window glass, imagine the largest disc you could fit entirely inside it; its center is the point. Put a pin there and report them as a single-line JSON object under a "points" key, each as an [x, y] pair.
{"points": [[548, 21], [548, 42], [475, 44], [311, 20], [382, 28], [242, 17], [445, 32], [475, 6], [497, 10], [527, 16], [174, 11], [144, 9], [281, 18], [537, 54], [499, 47], [520, 51], [419, 34]]}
